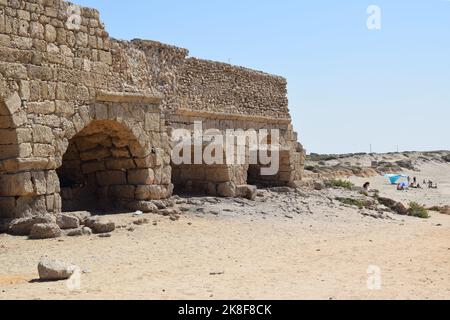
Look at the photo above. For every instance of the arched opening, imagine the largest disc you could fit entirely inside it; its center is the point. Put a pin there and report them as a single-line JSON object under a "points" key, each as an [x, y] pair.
{"points": [[281, 165], [102, 168]]}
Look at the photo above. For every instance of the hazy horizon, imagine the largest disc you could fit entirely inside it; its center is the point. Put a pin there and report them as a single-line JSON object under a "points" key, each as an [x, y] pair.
{"points": [[349, 87]]}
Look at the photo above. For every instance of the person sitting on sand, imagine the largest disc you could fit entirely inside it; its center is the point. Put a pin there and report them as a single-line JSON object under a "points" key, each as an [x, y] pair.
{"points": [[402, 186]]}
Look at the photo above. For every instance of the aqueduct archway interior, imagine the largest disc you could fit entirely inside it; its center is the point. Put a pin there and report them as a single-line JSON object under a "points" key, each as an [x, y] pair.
{"points": [[102, 167]]}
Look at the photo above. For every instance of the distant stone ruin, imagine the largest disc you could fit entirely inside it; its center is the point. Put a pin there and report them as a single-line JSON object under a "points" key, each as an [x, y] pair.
{"points": [[86, 120]]}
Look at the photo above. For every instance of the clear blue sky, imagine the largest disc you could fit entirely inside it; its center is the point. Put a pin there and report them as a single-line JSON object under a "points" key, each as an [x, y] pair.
{"points": [[349, 87]]}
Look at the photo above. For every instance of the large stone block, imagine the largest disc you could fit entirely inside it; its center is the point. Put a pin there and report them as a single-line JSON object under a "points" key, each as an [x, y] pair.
{"points": [[42, 134], [46, 107], [152, 192], [13, 103], [18, 184], [227, 190], [122, 192], [120, 164], [218, 174], [109, 178], [141, 176]]}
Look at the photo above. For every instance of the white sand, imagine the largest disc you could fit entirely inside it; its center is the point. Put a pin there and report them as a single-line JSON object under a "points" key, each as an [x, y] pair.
{"points": [[322, 252], [437, 172]]}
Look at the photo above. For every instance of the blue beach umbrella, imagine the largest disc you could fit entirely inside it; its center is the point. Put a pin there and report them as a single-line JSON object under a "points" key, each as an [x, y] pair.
{"points": [[393, 178]]}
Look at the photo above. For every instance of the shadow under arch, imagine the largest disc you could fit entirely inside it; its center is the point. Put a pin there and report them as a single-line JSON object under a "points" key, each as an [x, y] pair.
{"points": [[98, 171]]}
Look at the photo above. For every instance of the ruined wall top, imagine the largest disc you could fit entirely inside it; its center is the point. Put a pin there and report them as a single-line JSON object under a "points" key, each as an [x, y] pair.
{"points": [[51, 50]]}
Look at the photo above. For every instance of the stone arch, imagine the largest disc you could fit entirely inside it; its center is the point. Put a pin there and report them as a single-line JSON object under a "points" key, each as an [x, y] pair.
{"points": [[104, 167]]}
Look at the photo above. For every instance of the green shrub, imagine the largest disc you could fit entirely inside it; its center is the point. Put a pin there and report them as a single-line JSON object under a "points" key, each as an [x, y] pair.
{"points": [[337, 183], [353, 202], [417, 210]]}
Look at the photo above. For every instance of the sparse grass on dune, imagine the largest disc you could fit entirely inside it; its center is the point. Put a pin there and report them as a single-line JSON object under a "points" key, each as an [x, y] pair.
{"points": [[417, 210], [338, 183]]}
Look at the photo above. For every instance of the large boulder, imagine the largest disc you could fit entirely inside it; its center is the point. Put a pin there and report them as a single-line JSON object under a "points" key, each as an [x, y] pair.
{"points": [[82, 231], [54, 270], [80, 215], [67, 222], [45, 231], [144, 206], [99, 225], [247, 191], [23, 226], [227, 190]]}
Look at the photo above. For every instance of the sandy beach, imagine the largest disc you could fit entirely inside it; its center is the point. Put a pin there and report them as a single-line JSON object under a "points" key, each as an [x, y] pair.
{"points": [[298, 245]]}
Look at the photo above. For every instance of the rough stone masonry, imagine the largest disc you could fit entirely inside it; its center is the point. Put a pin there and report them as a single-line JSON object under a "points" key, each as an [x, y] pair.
{"points": [[85, 120]]}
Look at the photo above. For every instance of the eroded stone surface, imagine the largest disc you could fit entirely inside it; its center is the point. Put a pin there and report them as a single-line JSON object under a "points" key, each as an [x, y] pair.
{"points": [[85, 120]]}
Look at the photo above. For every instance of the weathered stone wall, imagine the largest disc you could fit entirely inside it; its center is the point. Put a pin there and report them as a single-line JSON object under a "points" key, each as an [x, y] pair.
{"points": [[58, 83], [218, 87], [55, 81]]}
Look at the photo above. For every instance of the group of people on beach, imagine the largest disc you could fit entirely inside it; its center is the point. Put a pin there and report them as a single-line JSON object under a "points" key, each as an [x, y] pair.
{"points": [[414, 184]]}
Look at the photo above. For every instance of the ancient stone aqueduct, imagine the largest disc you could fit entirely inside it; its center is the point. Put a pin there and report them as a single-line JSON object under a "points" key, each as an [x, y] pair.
{"points": [[85, 120]]}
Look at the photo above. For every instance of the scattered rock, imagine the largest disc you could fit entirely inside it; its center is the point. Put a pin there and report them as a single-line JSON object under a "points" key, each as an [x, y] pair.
{"points": [[105, 235], [103, 227], [144, 206], [217, 273], [170, 212], [89, 222], [99, 225], [181, 201], [194, 202], [282, 190], [53, 270], [140, 222], [319, 186], [82, 231], [45, 231], [247, 191], [161, 205], [227, 190], [67, 222], [80, 215], [23, 226]]}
